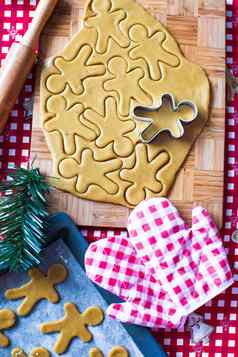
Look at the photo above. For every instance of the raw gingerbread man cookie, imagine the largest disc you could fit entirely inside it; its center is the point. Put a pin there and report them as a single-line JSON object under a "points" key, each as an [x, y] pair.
{"points": [[7, 320], [85, 172], [124, 83], [146, 50], [36, 352], [138, 189], [74, 72], [74, 324], [111, 128], [40, 287], [67, 122], [106, 19], [117, 351]]}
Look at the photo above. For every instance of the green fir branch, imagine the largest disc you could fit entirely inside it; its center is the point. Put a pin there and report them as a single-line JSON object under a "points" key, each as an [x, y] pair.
{"points": [[23, 219]]}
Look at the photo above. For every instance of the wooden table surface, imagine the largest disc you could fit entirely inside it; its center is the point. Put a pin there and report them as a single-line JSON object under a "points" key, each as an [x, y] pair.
{"points": [[199, 28]]}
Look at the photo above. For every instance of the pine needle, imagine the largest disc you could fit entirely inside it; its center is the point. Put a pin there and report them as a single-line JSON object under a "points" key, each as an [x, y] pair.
{"points": [[23, 219]]}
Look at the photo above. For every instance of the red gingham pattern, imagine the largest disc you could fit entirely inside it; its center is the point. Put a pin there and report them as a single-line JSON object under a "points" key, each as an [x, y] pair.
{"points": [[170, 269], [190, 263], [15, 16], [113, 264], [221, 312]]}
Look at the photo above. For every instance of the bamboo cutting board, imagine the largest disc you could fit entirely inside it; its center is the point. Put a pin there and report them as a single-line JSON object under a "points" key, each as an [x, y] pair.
{"points": [[199, 28]]}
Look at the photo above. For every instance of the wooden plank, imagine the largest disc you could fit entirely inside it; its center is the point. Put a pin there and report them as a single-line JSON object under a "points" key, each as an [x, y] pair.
{"points": [[199, 27]]}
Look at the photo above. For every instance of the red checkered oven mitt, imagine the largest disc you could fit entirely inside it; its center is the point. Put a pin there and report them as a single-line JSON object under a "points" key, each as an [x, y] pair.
{"points": [[113, 264], [164, 270]]}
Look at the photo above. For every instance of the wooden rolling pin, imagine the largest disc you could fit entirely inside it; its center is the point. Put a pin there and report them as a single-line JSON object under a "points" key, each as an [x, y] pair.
{"points": [[20, 60]]}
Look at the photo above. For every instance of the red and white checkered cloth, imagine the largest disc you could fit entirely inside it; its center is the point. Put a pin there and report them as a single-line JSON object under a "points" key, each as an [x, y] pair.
{"points": [[15, 16], [164, 270], [221, 312]]}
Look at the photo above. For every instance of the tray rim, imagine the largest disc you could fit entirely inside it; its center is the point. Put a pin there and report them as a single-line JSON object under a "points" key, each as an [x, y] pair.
{"points": [[62, 227]]}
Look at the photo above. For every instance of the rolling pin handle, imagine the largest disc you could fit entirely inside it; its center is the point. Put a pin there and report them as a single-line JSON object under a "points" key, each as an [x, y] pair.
{"points": [[20, 60], [42, 13]]}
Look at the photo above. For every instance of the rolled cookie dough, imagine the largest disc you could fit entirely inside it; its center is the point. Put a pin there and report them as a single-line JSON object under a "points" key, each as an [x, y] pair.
{"points": [[86, 96]]}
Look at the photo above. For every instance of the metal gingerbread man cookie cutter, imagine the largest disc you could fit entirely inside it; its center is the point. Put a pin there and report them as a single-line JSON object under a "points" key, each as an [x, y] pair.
{"points": [[136, 109]]}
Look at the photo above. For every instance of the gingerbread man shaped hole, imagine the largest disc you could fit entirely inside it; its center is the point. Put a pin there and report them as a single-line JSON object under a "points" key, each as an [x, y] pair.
{"points": [[166, 115], [38, 288]]}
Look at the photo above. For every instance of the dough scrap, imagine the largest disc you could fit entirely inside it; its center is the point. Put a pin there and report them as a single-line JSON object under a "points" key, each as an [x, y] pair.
{"points": [[95, 352], [36, 352], [73, 324], [18, 352], [40, 352], [117, 351], [40, 287], [7, 320], [122, 56]]}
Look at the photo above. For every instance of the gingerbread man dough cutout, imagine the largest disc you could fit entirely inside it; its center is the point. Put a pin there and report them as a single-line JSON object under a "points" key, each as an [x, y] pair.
{"points": [[146, 50], [73, 72], [36, 352], [67, 122], [136, 192], [74, 324], [106, 19], [127, 84], [38, 288], [7, 320], [117, 351], [85, 172], [112, 129]]}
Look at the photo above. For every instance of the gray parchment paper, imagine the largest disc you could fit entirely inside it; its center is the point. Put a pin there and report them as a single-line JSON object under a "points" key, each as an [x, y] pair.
{"points": [[77, 289]]}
